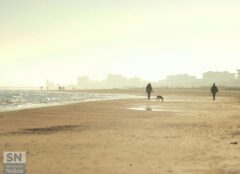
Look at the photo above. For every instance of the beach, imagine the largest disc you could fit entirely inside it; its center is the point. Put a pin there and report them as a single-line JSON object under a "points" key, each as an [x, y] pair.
{"points": [[187, 133]]}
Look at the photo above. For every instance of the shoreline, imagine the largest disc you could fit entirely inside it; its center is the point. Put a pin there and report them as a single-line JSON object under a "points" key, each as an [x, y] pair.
{"points": [[38, 106], [135, 93], [42, 105]]}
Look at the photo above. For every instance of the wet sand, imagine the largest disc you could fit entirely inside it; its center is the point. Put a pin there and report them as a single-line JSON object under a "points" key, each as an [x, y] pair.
{"points": [[188, 133]]}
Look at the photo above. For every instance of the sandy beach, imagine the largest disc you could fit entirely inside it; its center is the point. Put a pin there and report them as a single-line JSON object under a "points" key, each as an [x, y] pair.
{"points": [[187, 134]]}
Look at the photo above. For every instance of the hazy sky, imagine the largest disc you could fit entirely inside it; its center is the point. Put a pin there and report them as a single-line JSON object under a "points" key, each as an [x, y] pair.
{"points": [[62, 39]]}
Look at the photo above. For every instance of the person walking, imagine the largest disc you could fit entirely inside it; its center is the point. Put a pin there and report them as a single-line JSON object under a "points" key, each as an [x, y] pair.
{"points": [[214, 91], [149, 90]]}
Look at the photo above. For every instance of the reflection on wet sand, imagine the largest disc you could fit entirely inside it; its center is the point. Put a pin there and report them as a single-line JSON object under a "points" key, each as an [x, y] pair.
{"points": [[150, 108]]}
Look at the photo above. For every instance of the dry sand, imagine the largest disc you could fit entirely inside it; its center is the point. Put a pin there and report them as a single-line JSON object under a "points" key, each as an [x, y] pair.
{"points": [[189, 133]]}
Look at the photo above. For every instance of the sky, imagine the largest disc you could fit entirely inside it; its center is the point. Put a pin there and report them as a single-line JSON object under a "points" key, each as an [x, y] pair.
{"points": [[59, 40]]}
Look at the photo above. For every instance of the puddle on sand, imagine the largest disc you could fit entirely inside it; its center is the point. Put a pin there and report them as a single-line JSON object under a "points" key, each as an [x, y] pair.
{"points": [[147, 108], [151, 108]]}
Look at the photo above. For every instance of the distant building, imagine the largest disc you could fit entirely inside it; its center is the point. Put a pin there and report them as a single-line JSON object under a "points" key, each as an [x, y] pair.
{"points": [[222, 78], [112, 81], [83, 82], [182, 80], [51, 85], [238, 74]]}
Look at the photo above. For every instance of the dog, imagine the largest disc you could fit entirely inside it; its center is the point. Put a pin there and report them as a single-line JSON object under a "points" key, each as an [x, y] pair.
{"points": [[160, 97]]}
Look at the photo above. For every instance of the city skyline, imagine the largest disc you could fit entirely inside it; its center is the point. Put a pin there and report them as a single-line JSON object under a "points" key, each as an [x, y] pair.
{"points": [[224, 77]]}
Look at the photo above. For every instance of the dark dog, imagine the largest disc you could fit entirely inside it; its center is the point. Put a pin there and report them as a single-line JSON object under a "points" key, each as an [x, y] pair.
{"points": [[160, 97]]}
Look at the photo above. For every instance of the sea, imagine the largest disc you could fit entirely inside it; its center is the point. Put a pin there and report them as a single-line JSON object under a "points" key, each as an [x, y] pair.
{"points": [[11, 100]]}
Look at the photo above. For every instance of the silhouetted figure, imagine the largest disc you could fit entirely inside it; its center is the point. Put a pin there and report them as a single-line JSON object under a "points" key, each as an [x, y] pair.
{"points": [[214, 91], [149, 90], [41, 88]]}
